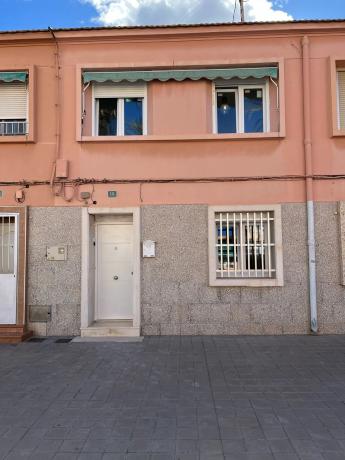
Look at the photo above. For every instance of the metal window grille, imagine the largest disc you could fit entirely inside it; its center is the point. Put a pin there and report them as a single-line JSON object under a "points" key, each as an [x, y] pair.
{"points": [[13, 127], [7, 236], [245, 246]]}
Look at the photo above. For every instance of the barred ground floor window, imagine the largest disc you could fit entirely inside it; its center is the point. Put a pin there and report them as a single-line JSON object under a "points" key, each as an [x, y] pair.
{"points": [[245, 246]]}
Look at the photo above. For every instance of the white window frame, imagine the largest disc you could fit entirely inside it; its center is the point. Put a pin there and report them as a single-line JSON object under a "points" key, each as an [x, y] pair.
{"points": [[278, 248], [239, 91], [120, 110], [339, 69], [26, 118]]}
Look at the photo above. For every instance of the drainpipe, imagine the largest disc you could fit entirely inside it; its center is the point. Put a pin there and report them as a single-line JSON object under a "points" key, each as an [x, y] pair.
{"points": [[58, 95], [309, 185]]}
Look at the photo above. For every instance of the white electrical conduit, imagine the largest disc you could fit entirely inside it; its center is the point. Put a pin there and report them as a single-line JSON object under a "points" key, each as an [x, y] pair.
{"points": [[309, 184]]}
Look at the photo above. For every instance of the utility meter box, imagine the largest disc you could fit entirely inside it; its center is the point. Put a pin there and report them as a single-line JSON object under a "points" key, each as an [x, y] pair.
{"points": [[61, 168], [56, 252]]}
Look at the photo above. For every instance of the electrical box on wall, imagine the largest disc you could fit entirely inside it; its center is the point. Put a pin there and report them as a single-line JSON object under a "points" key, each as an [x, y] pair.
{"points": [[149, 248], [39, 313], [61, 169], [85, 195], [19, 195], [56, 252]]}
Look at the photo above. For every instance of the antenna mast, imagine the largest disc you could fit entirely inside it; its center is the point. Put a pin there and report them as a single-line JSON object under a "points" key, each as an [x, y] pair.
{"points": [[242, 10]]}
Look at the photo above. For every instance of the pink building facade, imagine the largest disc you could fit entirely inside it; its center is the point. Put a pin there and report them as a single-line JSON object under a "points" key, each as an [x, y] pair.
{"points": [[173, 180]]}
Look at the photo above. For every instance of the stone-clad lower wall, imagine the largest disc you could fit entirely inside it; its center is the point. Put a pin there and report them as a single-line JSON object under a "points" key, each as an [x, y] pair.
{"points": [[176, 298], [175, 295], [329, 261], [54, 284]]}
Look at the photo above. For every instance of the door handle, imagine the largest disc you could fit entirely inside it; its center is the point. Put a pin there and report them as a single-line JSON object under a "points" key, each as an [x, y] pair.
{"points": [[115, 277]]}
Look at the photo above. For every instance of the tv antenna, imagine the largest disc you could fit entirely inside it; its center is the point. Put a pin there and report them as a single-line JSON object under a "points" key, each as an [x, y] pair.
{"points": [[242, 10]]}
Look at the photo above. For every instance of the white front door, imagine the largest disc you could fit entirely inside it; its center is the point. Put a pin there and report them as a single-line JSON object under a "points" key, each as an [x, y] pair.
{"points": [[114, 271], [8, 268]]}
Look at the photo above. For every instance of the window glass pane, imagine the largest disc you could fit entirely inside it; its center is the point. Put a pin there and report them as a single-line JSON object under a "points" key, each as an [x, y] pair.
{"points": [[225, 246], [107, 117], [254, 247], [253, 110], [133, 116], [341, 99], [226, 112], [7, 232], [12, 127]]}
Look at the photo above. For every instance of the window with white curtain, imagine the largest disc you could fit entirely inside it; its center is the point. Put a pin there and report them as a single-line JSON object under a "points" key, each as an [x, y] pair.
{"points": [[241, 108]]}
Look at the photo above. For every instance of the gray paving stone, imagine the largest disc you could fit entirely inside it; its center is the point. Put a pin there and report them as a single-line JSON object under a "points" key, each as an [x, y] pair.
{"points": [[84, 456], [281, 446], [108, 456], [165, 398], [72, 445], [65, 456], [189, 456]]}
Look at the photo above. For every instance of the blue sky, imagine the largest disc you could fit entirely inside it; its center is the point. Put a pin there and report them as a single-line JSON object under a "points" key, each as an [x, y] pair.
{"points": [[33, 14]]}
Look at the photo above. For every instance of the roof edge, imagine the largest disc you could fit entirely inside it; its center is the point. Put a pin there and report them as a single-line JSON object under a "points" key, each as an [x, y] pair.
{"points": [[173, 26]]}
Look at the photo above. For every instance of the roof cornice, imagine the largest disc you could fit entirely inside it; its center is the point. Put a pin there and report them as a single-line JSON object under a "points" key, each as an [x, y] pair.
{"points": [[178, 31]]}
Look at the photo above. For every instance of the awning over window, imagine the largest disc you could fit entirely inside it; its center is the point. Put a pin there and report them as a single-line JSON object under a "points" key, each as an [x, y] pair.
{"points": [[180, 75], [13, 76]]}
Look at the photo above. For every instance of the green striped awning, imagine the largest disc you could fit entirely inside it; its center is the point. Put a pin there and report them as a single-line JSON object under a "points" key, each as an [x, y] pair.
{"points": [[180, 75], [13, 76]]}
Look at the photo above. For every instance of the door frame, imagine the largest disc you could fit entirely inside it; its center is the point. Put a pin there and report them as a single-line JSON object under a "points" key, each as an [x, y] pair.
{"points": [[22, 218], [15, 257], [88, 262]]}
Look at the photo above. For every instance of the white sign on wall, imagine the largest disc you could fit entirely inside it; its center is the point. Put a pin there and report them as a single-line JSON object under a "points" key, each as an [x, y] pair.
{"points": [[149, 248]]}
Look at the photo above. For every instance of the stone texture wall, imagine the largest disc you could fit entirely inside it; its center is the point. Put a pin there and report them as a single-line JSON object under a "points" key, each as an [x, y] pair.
{"points": [[330, 239], [55, 284], [176, 298]]}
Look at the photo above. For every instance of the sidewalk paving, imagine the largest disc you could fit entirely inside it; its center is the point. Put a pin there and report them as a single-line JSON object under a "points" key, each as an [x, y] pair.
{"points": [[187, 398]]}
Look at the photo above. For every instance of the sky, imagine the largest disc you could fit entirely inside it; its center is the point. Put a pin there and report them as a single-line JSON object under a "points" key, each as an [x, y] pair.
{"points": [[36, 14]]}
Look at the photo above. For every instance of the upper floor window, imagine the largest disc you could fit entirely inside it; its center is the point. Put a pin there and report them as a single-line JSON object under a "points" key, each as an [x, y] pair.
{"points": [[13, 104], [119, 109], [114, 102], [241, 108], [341, 98]]}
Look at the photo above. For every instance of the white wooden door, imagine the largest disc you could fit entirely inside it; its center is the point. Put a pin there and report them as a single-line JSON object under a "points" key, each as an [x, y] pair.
{"points": [[114, 271], [8, 268]]}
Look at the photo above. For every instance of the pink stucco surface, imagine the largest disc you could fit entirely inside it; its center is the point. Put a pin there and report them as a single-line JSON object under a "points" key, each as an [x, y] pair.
{"points": [[180, 144]]}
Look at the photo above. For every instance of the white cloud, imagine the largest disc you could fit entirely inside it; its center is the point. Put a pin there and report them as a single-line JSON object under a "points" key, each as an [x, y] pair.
{"points": [[144, 12]]}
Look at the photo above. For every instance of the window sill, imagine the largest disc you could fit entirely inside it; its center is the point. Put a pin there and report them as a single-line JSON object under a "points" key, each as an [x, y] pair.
{"points": [[339, 133], [16, 139], [183, 137], [248, 282]]}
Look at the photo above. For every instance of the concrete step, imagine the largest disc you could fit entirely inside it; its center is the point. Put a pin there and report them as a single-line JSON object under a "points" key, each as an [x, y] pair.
{"points": [[106, 339], [111, 328]]}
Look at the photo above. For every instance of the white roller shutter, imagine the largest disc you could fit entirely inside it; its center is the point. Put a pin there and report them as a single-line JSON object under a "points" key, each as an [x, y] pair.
{"points": [[118, 90], [13, 101], [341, 99]]}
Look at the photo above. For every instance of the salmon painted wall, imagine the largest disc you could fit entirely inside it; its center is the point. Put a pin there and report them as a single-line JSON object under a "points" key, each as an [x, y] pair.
{"points": [[179, 145]]}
